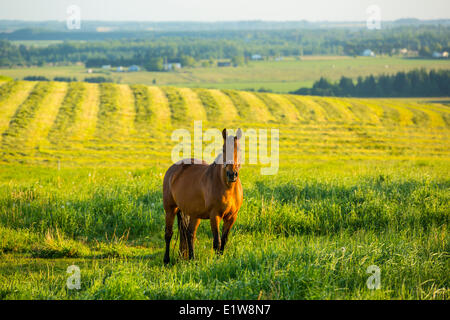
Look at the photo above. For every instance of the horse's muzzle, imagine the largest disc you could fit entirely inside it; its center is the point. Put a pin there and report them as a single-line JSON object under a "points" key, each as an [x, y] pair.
{"points": [[232, 176]]}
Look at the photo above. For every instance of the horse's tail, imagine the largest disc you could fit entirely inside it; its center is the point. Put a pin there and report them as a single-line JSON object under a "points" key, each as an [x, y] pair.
{"points": [[183, 230]]}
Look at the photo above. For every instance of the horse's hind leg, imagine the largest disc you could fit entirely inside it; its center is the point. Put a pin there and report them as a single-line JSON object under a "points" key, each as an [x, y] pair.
{"points": [[170, 217], [192, 230]]}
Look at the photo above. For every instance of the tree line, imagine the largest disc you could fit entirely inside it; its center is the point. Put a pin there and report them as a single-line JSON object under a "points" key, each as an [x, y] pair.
{"points": [[415, 83], [139, 48], [98, 79]]}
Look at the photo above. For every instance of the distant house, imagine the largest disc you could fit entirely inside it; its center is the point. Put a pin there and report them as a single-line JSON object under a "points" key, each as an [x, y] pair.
{"points": [[440, 54], [119, 69], [106, 66], [368, 53], [133, 68], [224, 64], [172, 66], [89, 70], [256, 57]]}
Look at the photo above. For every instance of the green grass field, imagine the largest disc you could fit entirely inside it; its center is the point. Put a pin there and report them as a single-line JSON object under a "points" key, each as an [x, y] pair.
{"points": [[361, 182], [282, 76]]}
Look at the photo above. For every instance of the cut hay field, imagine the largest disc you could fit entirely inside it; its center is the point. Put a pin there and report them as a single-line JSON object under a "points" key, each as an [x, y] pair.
{"points": [[361, 182]]}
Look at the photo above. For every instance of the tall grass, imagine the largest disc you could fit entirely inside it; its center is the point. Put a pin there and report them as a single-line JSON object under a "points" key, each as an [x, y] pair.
{"points": [[308, 233]]}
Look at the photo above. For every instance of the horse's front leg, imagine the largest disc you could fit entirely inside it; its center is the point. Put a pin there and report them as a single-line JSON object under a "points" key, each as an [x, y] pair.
{"points": [[215, 221], [227, 224]]}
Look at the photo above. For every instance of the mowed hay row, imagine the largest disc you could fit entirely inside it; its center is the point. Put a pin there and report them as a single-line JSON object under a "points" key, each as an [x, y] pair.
{"points": [[108, 119], [419, 118], [405, 116], [46, 115], [442, 109], [229, 112], [435, 119], [144, 113], [7, 89], [84, 128], [258, 109], [210, 104], [194, 106], [308, 108], [126, 112], [177, 105], [242, 106], [161, 110], [348, 111], [334, 112], [377, 112], [14, 137], [356, 112], [12, 95], [287, 108], [278, 108], [68, 114]]}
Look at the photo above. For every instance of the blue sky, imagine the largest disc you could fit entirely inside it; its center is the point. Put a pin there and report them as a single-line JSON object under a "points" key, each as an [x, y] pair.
{"points": [[224, 10]]}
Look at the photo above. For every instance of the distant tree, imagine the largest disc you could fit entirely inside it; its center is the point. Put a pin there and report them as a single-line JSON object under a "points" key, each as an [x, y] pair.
{"points": [[415, 83], [155, 64], [36, 78], [238, 61], [97, 80], [346, 86], [187, 61]]}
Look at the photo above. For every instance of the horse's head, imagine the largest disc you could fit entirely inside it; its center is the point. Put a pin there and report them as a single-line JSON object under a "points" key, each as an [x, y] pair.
{"points": [[231, 155]]}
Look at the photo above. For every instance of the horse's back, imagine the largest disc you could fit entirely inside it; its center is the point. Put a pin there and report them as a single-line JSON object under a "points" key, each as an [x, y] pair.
{"points": [[183, 176]]}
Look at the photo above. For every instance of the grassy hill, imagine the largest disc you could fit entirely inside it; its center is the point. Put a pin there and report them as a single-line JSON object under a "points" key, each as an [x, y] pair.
{"points": [[361, 182], [121, 125]]}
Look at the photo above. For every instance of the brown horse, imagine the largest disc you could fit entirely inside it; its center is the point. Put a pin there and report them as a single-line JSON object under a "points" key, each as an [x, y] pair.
{"points": [[201, 191]]}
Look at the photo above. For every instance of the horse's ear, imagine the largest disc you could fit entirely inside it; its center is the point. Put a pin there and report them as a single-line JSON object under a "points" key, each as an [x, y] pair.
{"points": [[239, 134], [224, 134]]}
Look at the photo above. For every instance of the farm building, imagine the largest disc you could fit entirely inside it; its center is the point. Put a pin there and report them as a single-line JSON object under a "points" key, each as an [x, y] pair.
{"points": [[133, 68], [440, 54], [172, 66], [256, 57], [368, 53], [224, 64]]}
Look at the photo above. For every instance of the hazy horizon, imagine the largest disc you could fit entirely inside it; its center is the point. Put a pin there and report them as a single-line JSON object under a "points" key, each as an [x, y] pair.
{"points": [[217, 11]]}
